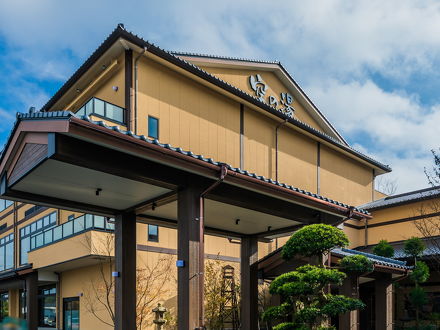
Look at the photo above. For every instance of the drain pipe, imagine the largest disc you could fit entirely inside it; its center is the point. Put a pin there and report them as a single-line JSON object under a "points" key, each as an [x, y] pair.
{"points": [[201, 270], [134, 115], [276, 147], [366, 232]]}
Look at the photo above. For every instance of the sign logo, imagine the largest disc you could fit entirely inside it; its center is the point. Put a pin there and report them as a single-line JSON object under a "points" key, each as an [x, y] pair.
{"points": [[283, 104]]}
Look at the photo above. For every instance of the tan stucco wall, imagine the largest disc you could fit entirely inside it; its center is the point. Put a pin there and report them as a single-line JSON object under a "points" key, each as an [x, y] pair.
{"points": [[344, 179], [240, 79], [191, 116]]}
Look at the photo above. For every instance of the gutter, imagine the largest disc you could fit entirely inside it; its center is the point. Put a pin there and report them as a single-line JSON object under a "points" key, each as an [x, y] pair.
{"points": [[136, 84], [201, 256]]}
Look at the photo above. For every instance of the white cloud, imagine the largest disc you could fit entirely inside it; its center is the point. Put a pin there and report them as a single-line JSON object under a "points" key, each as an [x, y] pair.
{"points": [[333, 47]]}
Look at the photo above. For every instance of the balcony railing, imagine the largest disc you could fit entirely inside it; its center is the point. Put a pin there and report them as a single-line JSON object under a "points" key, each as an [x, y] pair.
{"points": [[103, 109], [71, 228]]}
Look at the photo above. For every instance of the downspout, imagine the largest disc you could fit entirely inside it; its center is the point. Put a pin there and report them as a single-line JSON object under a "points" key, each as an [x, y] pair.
{"points": [[134, 114], [366, 232], [201, 270], [276, 147]]}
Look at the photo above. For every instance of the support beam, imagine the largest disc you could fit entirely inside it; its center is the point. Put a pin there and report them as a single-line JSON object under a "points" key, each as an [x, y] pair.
{"points": [[249, 283], [350, 288], [190, 274], [125, 266], [384, 302], [32, 300]]}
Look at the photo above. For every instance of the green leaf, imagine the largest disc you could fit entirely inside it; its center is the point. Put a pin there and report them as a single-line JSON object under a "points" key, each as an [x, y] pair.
{"points": [[384, 249], [420, 272], [356, 264], [314, 240]]}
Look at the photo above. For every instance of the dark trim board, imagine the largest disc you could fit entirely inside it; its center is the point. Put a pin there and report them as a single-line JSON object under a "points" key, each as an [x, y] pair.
{"points": [[391, 222], [157, 249]]}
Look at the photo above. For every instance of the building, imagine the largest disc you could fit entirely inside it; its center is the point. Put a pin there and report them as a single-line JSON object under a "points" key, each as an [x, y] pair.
{"points": [[141, 137], [397, 218]]}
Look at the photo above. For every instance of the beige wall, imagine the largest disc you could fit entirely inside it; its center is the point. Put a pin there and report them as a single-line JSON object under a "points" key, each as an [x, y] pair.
{"points": [[344, 179], [240, 79], [394, 223], [192, 116]]}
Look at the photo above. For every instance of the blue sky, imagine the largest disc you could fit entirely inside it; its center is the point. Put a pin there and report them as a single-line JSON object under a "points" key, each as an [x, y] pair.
{"points": [[371, 66]]}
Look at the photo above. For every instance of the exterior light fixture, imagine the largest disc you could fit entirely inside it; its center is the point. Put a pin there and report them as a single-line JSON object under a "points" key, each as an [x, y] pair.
{"points": [[98, 191], [237, 221], [115, 88]]}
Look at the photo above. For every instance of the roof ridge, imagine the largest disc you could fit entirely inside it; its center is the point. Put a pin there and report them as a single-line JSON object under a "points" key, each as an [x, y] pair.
{"points": [[223, 57], [411, 192]]}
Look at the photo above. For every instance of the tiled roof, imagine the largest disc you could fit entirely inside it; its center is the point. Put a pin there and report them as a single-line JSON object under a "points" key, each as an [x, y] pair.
{"points": [[67, 114], [220, 57], [431, 248], [121, 32], [377, 260], [409, 197]]}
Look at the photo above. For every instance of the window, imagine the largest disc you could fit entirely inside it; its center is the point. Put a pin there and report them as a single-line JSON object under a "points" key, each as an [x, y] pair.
{"points": [[71, 313], [153, 127], [103, 109], [4, 305], [32, 210], [153, 233], [47, 307], [7, 252], [39, 225], [4, 204]]}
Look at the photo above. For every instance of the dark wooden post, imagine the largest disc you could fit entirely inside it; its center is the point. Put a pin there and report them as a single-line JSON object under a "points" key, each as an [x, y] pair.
{"points": [[249, 283], [190, 240], [125, 267], [350, 288], [32, 300], [384, 302]]}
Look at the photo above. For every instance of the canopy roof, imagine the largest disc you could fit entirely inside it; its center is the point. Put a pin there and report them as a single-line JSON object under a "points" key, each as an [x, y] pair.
{"points": [[60, 160]]}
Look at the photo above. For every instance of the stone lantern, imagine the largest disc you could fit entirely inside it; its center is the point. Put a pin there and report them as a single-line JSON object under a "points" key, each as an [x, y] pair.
{"points": [[159, 320]]}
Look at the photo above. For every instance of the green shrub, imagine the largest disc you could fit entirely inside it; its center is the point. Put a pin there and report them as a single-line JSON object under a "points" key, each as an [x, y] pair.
{"points": [[418, 297], [414, 247], [314, 240], [384, 249], [356, 264], [420, 273]]}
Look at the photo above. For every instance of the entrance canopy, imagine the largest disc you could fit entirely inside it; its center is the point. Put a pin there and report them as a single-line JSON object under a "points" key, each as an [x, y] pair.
{"points": [[59, 160]]}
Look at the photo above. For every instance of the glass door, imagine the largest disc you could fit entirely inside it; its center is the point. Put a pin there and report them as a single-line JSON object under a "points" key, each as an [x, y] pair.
{"points": [[4, 305], [71, 313]]}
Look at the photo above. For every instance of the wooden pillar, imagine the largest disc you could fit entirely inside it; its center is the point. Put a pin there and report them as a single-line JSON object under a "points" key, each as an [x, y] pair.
{"points": [[384, 302], [125, 271], [13, 303], [249, 283], [190, 267], [350, 289], [32, 300]]}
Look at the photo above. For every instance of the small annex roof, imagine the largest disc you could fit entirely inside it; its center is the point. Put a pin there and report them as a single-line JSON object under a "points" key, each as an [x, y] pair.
{"points": [[432, 245], [377, 260], [120, 33], [405, 198], [57, 115]]}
